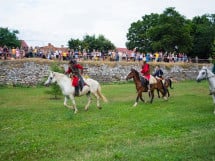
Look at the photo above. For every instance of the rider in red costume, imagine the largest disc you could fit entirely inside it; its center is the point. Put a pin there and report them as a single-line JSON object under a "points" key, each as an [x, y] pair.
{"points": [[76, 70], [146, 72]]}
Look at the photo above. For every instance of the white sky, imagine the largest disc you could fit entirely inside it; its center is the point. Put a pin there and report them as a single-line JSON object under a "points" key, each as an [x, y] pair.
{"points": [[57, 21]]}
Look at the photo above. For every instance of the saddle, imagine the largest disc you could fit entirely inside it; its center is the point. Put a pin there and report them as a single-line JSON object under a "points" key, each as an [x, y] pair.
{"points": [[144, 81]]}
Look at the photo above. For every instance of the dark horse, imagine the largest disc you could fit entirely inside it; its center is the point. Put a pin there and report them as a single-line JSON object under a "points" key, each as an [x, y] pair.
{"points": [[167, 82], [141, 86]]}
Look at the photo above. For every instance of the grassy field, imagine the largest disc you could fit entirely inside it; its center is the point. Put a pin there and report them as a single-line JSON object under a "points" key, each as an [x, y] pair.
{"points": [[35, 127]]}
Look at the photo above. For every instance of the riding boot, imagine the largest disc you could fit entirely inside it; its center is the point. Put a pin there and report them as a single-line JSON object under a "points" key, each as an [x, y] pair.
{"points": [[76, 90], [80, 85]]}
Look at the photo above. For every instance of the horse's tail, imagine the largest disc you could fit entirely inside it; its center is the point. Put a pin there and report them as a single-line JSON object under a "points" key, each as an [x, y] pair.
{"points": [[101, 95]]}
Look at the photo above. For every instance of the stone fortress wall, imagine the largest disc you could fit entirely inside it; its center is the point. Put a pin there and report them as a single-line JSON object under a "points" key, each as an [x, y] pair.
{"points": [[30, 72]]}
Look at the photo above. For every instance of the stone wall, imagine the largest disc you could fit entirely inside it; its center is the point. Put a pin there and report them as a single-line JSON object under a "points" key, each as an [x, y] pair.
{"points": [[31, 72]]}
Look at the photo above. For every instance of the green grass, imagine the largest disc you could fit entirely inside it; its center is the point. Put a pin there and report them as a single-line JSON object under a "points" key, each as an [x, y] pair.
{"points": [[35, 127]]}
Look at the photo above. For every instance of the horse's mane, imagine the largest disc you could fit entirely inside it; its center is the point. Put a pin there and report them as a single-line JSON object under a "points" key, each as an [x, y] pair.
{"points": [[135, 71], [59, 73]]}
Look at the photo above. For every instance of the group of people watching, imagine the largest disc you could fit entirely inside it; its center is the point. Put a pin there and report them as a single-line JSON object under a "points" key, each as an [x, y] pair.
{"points": [[67, 54], [12, 53]]}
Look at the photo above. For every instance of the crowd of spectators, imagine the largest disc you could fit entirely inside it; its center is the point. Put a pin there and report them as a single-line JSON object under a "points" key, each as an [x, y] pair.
{"points": [[66, 54]]}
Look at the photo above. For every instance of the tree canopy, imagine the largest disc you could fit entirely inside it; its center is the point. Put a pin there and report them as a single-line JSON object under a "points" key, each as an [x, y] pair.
{"points": [[91, 43], [203, 33], [9, 38], [170, 31]]}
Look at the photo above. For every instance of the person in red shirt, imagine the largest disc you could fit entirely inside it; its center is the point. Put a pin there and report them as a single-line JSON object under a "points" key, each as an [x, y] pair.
{"points": [[76, 70], [146, 72]]}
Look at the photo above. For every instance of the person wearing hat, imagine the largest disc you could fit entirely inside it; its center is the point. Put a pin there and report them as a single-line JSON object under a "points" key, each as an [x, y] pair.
{"points": [[146, 72], [76, 70]]}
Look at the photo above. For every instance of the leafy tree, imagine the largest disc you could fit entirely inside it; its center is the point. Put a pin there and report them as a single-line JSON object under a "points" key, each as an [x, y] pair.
{"points": [[138, 36], [203, 36], [160, 32], [75, 44], [171, 33], [9, 38], [91, 43]]}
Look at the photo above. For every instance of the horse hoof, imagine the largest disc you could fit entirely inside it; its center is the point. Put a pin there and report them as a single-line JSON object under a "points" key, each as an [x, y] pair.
{"points": [[135, 104], [165, 98]]}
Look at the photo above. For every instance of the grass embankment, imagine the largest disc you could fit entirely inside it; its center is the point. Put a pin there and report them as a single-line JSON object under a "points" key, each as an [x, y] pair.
{"points": [[34, 127]]}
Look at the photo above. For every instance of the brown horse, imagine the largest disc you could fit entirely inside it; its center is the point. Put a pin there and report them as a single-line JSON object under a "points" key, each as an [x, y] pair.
{"points": [[167, 82], [141, 86]]}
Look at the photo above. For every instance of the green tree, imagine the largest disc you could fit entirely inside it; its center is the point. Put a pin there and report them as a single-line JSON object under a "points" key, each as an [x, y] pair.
{"points": [[166, 32], [203, 35], [171, 33], [91, 43], [75, 44], [104, 44], [9, 38], [138, 36]]}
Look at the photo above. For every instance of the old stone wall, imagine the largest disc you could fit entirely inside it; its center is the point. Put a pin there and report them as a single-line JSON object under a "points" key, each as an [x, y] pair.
{"points": [[31, 72]]}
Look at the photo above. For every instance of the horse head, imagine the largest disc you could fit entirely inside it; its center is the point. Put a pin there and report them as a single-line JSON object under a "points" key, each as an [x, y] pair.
{"points": [[132, 74], [51, 79], [204, 73]]}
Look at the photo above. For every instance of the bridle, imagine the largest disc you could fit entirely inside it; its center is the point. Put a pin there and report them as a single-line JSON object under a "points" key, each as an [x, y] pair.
{"points": [[207, 77]]}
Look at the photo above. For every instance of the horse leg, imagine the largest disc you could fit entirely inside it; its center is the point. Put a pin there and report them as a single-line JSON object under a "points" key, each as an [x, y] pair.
{"points": [[213, 96], [152, 96], [167, 92], [137, 99], [158, 93], [161, 86], [89, 101], [97, 100], [141, 97], [73, 102], [65, 103], [163, 91]]}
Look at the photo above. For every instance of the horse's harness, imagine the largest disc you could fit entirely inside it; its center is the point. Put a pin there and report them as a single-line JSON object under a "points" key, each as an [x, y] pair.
{"points": [[207, 77]]}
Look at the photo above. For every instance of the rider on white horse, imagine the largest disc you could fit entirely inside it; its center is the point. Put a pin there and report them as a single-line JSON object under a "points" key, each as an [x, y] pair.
{"points": [[76, 70]]}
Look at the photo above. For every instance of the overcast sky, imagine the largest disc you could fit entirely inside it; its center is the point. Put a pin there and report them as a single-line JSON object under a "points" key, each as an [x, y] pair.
{"points": [[57, 21]]}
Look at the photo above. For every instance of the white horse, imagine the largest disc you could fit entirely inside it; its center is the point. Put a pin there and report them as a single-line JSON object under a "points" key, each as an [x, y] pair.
{"points": [[205, 73], [69, 91]]}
